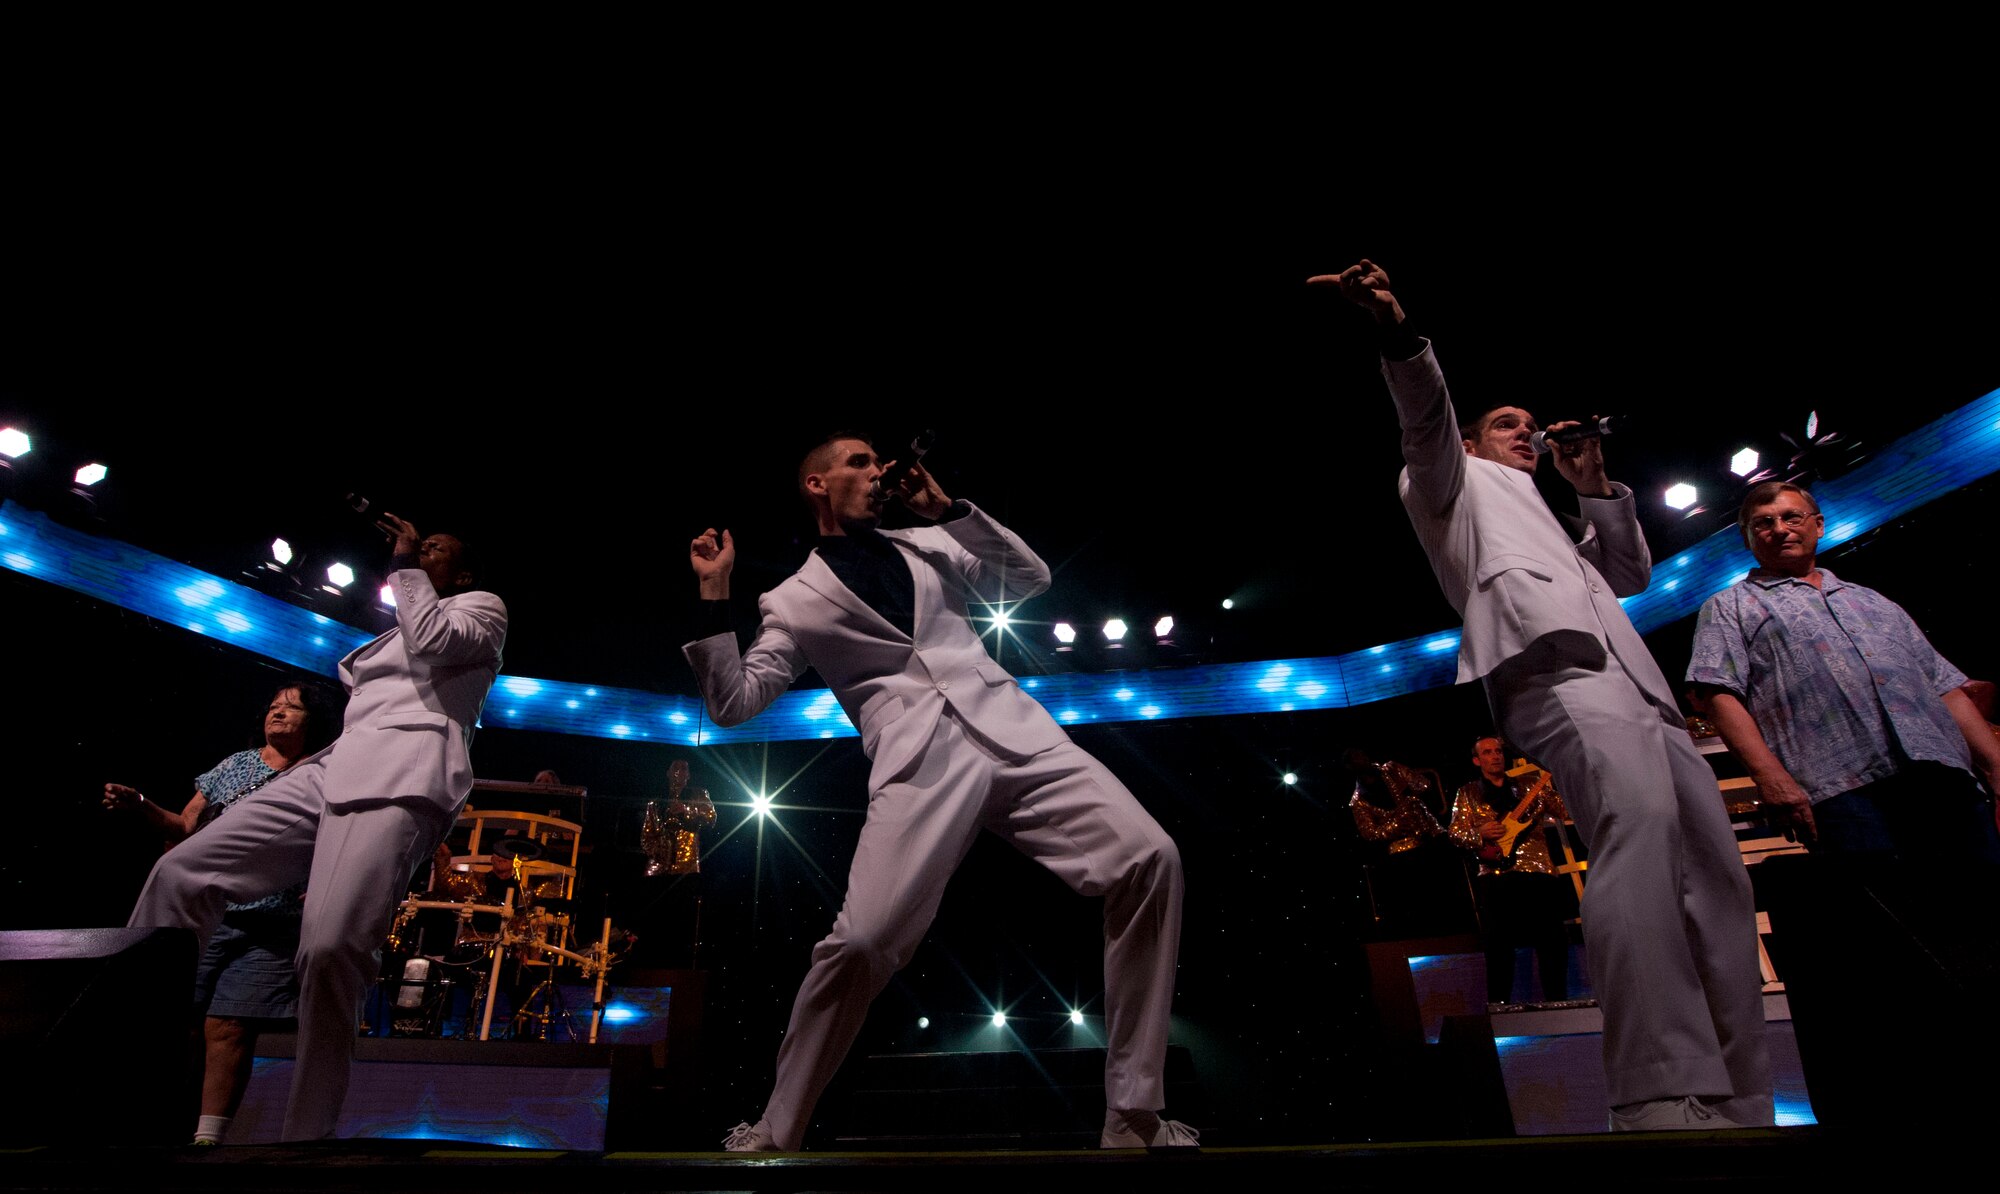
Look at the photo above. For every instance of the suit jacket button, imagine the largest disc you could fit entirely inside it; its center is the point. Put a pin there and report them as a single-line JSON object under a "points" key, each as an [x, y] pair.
{"points": [[944, 685]]}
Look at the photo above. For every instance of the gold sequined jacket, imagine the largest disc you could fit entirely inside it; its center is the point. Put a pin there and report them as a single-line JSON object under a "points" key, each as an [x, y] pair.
{"points": [[1470, 811]]}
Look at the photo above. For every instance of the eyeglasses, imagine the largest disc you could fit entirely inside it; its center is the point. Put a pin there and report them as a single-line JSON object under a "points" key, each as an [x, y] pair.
{"points": [[1791, 520]]}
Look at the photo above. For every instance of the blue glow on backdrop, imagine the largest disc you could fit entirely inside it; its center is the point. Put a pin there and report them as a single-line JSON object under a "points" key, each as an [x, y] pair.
{"points": [[1948, 454]]}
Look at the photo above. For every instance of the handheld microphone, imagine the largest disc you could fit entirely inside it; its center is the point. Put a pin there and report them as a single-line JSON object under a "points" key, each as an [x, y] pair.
{"points": [[919, 448], [360, 504], [370, 511], [1588, 429]]}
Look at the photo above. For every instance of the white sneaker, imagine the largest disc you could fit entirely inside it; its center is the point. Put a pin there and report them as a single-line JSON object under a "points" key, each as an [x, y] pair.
{"points": [[1145, 1129], [1685, 1114], [745, 1138]]}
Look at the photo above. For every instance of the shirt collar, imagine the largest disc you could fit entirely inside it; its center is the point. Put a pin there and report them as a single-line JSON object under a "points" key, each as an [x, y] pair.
{"points": [[859, 542], [1765, 578]]}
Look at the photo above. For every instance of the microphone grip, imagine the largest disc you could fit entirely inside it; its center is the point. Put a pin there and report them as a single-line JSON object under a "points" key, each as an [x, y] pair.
{"points": [[369, 510], [885, 485], [1588, 429]]}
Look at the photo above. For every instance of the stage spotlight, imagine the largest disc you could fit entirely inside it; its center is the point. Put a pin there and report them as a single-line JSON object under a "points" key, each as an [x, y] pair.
{"points": [[760, 804], [281, 552], [388, 596], [1163, 627], [1114, 629], [999, 1019], [14, 443], [1228, 603], [1065, 633], [1075, 1016], [1000, 619], [1680, 495], [91, 474], [1744, 463], [340, 574], [923, 1021], [1291, 778]]}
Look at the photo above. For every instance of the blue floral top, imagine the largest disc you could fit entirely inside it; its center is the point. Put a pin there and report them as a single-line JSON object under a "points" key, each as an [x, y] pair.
{"points": [[226, 783]]}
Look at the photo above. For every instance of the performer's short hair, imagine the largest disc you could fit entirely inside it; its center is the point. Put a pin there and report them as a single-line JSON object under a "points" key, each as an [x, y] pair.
{"points": [[1483, 737], [1763, 495], [1473, 417], [819, 457]]}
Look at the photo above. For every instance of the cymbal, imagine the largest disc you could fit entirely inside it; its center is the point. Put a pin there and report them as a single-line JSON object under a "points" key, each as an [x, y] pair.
{"points": [[526, 849]]}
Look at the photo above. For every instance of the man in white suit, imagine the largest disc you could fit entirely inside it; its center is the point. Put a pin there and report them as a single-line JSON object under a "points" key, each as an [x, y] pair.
{"points": [[955, 747], [1667, 916], [355, 819]]}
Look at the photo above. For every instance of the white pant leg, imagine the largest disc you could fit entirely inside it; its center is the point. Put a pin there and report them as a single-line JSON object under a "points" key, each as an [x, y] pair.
{"points": [[1667, 914], [1721, 922], [261, 844], [1068, 812], [361, 865], [918, 830]]}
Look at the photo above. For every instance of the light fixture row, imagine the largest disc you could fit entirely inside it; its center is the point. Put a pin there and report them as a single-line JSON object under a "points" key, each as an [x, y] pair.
{"points": [[1113, 630]]}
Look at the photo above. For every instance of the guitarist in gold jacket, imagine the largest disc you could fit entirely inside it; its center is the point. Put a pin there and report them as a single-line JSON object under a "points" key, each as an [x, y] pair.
{"points": [[1522, 901]]}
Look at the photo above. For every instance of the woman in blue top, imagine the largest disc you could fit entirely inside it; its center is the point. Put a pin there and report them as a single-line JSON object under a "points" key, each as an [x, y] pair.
{"points": [[246, 977]]}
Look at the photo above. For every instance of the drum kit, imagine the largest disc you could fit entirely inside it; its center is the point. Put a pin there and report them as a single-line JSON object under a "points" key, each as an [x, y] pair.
{"points": [[510, 916], [507, 912]]}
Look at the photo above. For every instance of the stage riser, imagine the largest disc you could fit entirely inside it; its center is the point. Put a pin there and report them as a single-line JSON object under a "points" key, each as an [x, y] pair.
{"points": [[96, 1029]]}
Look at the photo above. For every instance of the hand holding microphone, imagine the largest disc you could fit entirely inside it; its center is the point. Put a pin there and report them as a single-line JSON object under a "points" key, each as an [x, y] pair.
{"points": [[911, 483], [1574, 432], [403, 536], [1579, 452]]}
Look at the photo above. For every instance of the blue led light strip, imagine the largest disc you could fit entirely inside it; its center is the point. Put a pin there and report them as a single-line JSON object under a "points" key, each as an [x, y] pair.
{"points": [[1955, 451], [1928, 463]]}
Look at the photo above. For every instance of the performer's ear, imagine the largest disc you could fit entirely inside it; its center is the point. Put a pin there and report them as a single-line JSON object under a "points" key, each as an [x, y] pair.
{"points": [[1468, 447]]}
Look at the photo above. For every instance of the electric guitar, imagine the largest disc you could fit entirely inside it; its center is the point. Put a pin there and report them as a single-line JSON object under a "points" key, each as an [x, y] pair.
{"points": [[1500, 853]]}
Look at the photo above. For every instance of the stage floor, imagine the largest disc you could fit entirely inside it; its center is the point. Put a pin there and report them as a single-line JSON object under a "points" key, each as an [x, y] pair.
{"points": [[1654, 1161]]}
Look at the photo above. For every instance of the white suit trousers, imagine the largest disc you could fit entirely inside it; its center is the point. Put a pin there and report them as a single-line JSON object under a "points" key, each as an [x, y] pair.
{"points": [[356, 859], [1061, 808], [1668, 919]]}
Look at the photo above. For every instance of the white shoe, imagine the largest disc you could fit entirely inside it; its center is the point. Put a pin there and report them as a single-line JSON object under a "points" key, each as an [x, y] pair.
{"points": [[746, 1138], [1145, 1129], [1685, 1114]]}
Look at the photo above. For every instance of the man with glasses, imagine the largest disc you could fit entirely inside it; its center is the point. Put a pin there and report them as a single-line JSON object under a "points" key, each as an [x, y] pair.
{"points": [[1855, 730], [1862, 743]]}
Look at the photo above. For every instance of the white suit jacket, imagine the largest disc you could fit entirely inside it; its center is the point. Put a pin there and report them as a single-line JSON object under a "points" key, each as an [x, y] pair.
{"points": [[1504, 561], [893, 686], [414, 697]]}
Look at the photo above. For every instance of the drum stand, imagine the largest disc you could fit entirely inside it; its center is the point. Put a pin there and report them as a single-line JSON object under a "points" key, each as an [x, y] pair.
{"points": [[530, 940], [549, 996]]}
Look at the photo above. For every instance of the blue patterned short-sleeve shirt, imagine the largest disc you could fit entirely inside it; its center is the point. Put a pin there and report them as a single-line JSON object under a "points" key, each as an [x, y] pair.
{"points": [[1841, 682], [226, 783]]}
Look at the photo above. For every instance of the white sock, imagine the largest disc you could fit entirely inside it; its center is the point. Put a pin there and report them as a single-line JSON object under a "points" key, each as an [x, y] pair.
{"points": [[211, 1129]]}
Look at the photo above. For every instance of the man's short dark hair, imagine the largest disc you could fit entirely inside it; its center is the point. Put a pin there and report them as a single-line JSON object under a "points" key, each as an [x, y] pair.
{"points": [[819, 457], [1484, 737], [1473, 417], [1763, 495]]}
